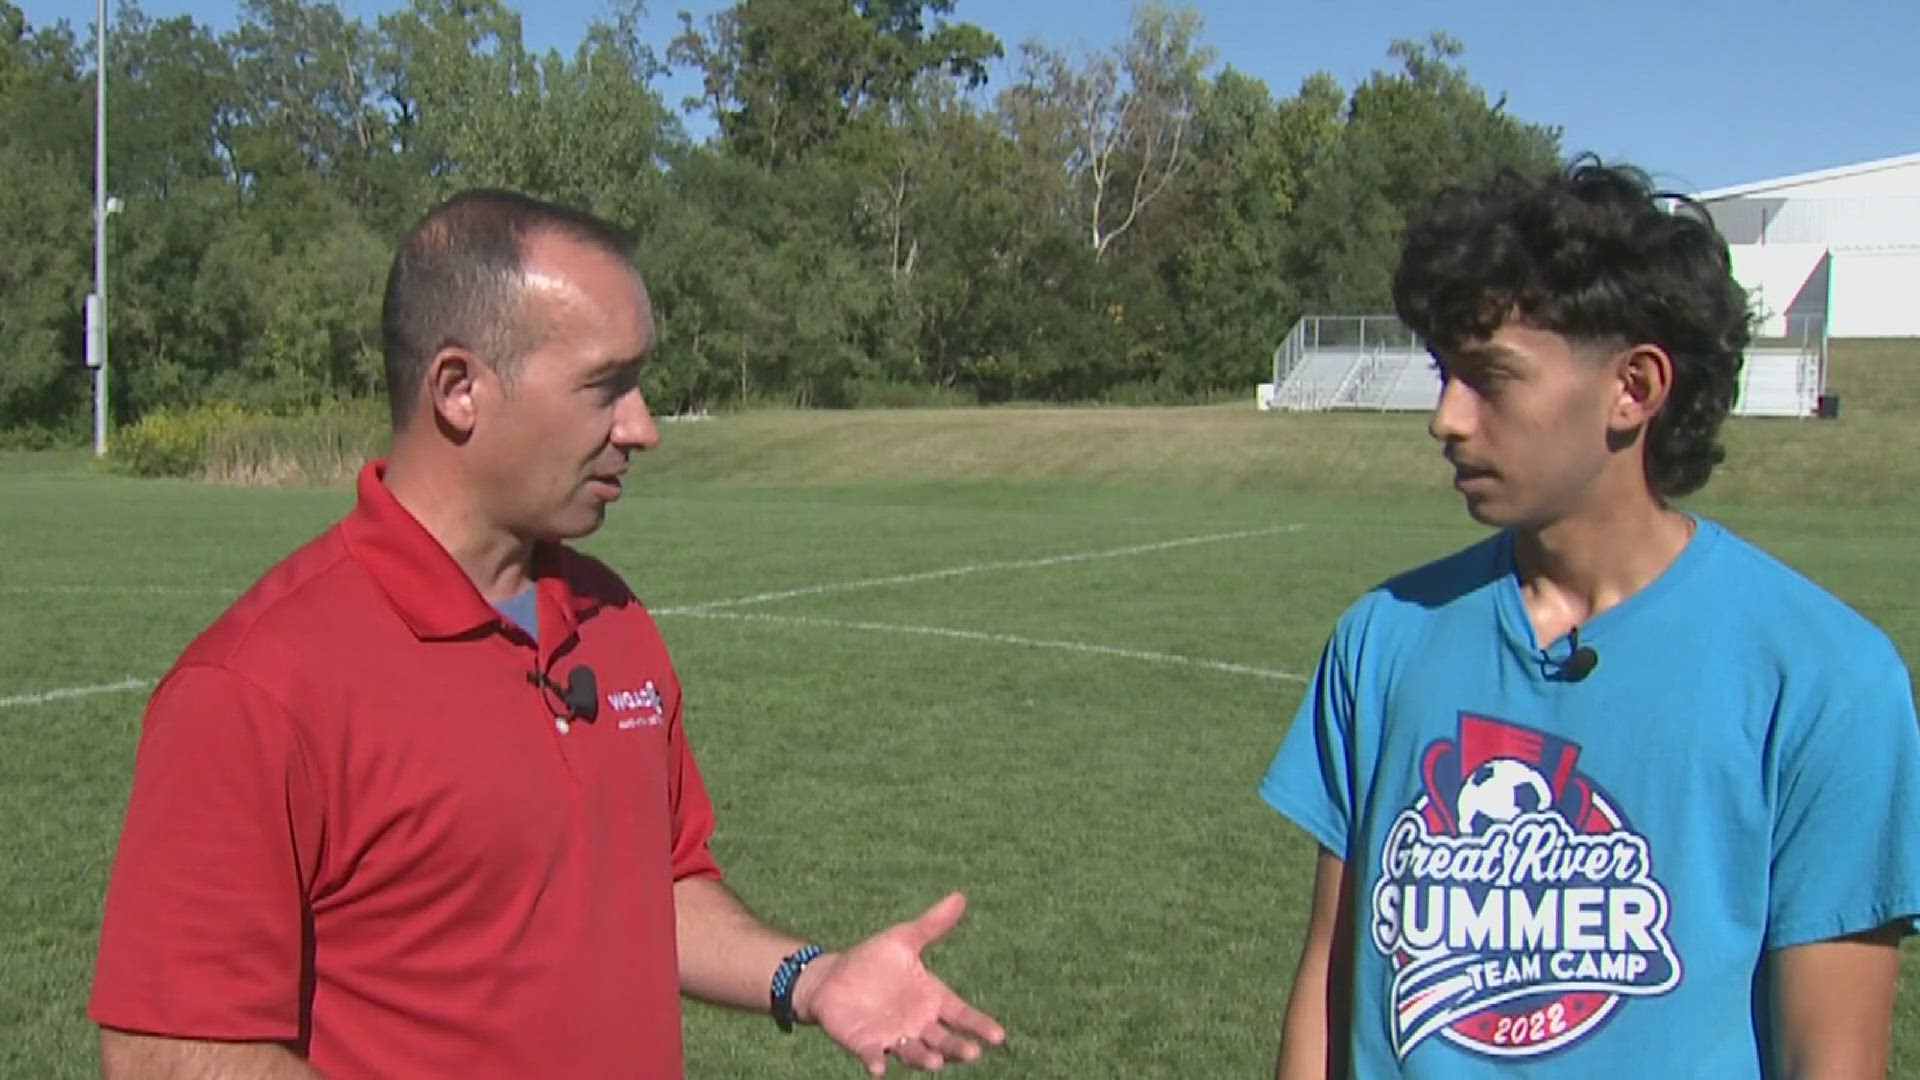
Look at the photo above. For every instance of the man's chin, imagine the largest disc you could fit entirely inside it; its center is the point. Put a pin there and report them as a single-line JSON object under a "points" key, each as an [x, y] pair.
{"points": [[578, 521]]}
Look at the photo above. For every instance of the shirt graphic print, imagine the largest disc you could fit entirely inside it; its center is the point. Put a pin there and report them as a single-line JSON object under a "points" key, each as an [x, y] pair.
{"points": [[1516, 905]]}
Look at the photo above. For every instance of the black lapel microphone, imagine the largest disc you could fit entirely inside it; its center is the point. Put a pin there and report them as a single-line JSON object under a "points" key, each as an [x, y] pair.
{"points": [[581, 695], [1579, 665]]}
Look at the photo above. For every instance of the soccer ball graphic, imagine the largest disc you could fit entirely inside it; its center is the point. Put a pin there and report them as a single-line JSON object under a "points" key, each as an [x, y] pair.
{"points": [[1500, 790]]}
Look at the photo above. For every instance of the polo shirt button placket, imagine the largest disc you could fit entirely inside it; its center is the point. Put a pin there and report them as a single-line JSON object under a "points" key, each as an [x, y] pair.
{"points": [[562, 742]]}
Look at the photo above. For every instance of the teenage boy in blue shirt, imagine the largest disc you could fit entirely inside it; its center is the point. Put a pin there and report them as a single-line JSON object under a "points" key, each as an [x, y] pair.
{"points": [[1611, 792]]}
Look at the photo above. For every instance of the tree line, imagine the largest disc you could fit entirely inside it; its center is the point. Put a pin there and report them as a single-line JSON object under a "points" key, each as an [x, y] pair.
{"points": [[893, 205]]}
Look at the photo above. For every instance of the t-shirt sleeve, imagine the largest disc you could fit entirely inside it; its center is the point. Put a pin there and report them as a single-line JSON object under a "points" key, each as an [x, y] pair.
{"points": [[693, 818], [1846, 826], [205, 921], [1310, 780]]}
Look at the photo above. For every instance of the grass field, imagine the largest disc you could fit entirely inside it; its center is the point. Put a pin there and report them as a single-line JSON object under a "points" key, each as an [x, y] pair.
{"points": [[1073, 741]]}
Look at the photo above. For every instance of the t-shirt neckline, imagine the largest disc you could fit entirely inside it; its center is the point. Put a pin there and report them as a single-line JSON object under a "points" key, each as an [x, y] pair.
{"points": [[1518, 627]]}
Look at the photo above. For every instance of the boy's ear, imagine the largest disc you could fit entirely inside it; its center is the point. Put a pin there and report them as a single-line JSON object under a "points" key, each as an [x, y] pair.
{"points": [[1645, 377]]}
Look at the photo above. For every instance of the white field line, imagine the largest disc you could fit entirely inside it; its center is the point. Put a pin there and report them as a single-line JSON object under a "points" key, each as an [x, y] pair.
{"points": [[970, 568], [47, 697], [986, 638], [713, 609], [741, 601]]}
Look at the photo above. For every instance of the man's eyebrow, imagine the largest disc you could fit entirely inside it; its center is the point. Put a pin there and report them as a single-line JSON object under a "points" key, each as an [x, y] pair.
{"points": [[615, 366]]}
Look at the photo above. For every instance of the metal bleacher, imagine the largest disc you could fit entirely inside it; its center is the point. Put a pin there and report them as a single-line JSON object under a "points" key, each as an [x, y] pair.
{"points": [[1373, 363]]}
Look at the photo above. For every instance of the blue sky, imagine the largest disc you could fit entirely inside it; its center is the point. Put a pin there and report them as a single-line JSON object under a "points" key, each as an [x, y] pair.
{"points": [[1703, 94]]}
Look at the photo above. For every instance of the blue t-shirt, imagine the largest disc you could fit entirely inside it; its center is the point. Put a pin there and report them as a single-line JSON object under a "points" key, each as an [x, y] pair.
{"points": [[1577, 877]]}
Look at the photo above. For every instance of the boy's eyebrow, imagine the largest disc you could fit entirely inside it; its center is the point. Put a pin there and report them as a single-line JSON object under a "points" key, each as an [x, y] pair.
{"points": [[1481, 354]]}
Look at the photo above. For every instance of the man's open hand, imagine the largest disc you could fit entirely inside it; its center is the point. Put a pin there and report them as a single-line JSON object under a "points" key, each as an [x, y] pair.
{"points": [[877, 999]]}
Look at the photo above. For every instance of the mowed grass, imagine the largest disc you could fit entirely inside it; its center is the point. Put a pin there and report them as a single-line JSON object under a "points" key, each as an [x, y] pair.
{"points": [[1135, 910]]}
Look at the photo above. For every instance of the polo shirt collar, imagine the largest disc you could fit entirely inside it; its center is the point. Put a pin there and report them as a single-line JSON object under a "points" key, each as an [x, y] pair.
{"points": [[426, 587]]}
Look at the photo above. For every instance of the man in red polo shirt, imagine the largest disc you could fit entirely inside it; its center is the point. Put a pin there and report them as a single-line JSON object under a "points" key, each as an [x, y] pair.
{"points": [[420, 803]]}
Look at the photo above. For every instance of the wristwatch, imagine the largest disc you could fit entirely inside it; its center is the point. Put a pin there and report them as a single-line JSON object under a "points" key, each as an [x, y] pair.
{"points": [[784, 977]]}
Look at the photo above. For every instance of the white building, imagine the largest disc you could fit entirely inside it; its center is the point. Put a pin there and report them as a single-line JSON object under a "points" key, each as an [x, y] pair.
{"points": [[1839, 246]]}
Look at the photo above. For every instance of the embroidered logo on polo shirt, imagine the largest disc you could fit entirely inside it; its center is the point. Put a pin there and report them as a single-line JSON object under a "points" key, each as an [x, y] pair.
{"points": [[1516, 903], [637, 708]]}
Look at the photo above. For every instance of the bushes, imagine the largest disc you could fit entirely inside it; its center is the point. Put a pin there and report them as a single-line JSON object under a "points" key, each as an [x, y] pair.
{"points": [[172, 443], [225, 443]]}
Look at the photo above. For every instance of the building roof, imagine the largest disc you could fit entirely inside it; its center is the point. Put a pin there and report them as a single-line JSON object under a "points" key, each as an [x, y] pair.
{"points": [[1760, 187]]}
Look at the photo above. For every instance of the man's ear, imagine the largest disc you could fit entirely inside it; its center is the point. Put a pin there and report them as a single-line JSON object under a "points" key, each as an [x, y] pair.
{"points": [[1645, 374], [451, 378]]}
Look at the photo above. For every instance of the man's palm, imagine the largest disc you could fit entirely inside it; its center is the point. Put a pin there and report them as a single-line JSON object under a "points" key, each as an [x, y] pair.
{"points": [[878, 998]]}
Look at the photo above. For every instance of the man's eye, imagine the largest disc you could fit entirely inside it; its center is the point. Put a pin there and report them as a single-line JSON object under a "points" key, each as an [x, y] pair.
{"points": [[614, 386]]}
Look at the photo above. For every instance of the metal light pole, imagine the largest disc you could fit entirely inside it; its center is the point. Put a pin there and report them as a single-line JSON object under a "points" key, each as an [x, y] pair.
{"points": [[97, 313]]}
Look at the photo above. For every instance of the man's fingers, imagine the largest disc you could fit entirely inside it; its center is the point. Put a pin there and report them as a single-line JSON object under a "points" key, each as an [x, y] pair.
{"points": [[964, 1017], [937, 920], [949, 1045], [934, 1048], [915, 1053]]}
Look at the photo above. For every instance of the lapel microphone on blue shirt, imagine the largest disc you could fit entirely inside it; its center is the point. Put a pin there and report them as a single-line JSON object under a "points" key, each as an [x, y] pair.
{"points": [[581, 695], [1581, 662]]}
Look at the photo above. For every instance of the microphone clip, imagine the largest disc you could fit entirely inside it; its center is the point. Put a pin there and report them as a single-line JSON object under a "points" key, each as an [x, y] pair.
{"points": [[579, 698], [1580, 661]]}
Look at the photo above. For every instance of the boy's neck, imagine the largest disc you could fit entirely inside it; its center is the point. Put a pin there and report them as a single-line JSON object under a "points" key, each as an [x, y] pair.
{"points": [[1581, 565]]}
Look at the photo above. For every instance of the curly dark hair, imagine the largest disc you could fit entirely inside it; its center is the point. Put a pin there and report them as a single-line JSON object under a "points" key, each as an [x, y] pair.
{"points": [[1589, 252]]}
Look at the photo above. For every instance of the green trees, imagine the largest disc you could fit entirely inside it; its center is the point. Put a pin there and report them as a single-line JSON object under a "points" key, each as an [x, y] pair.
{"points": [[894, 204]]}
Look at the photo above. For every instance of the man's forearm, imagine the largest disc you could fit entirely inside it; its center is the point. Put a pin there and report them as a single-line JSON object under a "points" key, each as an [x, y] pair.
{"points": [[727, 955], [126, 1056]]}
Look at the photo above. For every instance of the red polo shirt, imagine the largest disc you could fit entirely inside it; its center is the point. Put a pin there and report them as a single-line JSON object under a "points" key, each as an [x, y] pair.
{"points": [[355, 827]]}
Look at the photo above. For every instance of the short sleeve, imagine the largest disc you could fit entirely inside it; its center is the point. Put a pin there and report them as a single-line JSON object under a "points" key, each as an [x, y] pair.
{"points": [[693, 818], [1310, 780], [1846, 826], [205, 922]]}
